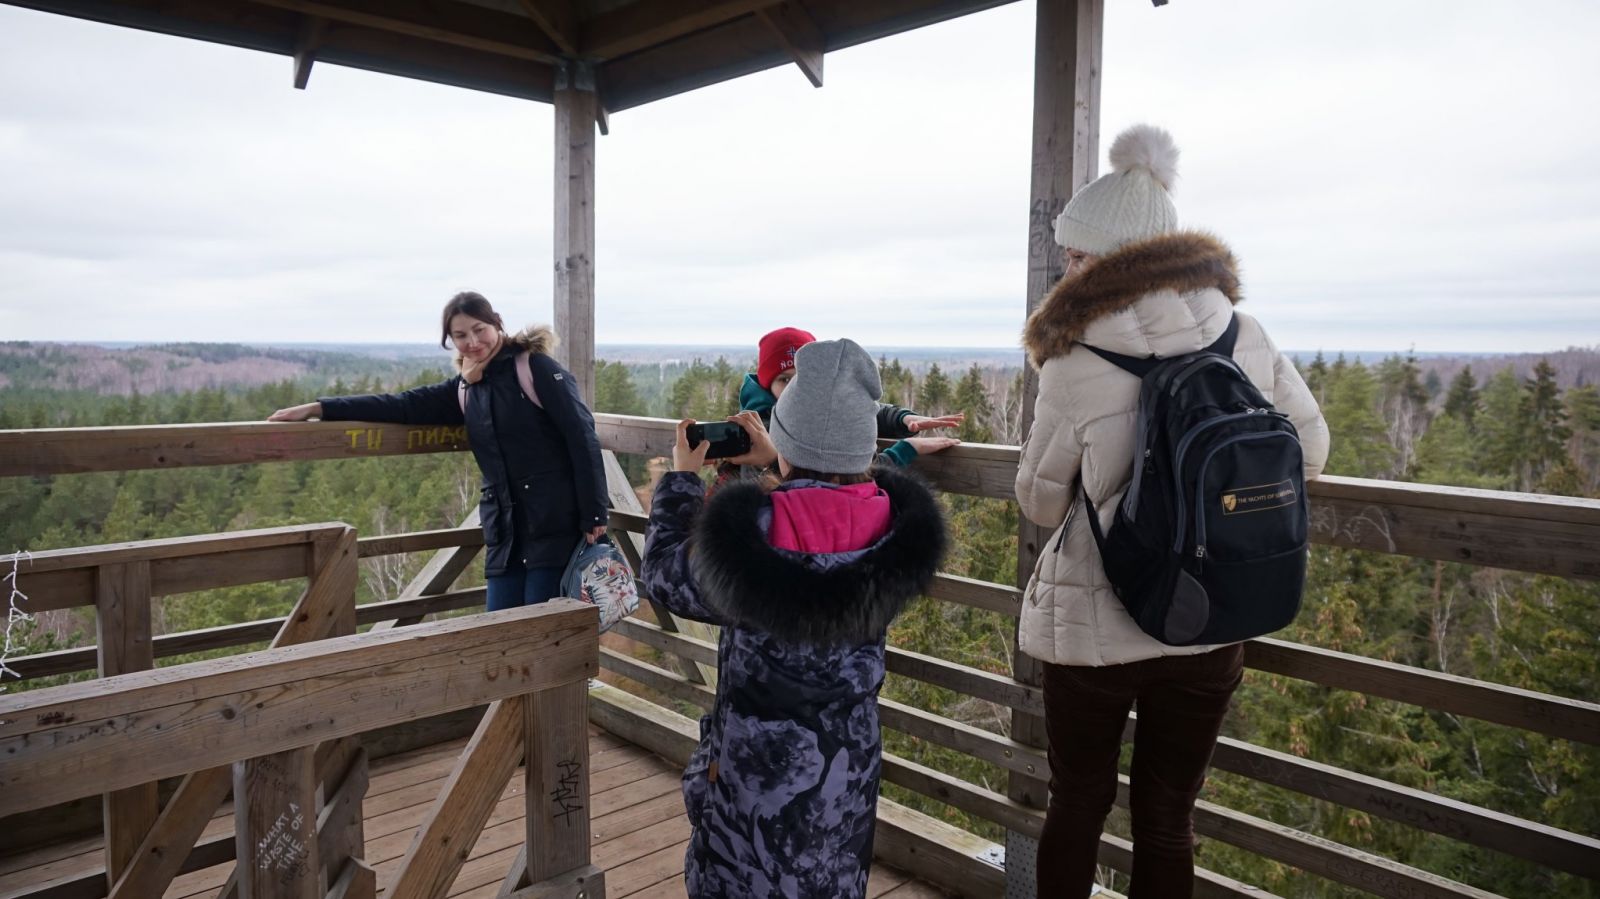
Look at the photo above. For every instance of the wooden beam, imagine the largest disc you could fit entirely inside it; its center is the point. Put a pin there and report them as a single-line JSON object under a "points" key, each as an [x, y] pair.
{"points": [[1554, 716], [358, 880], [123, 625], [1066, 126], [275, 840], [463, 25], [445, 838], [576, 114], [585, 882], [67, 741], [799, 35], [636, 26], [557, 773], [306, 43], [317, 614], [67, 661], [1525, 532], [558, 20], [421, 541]]}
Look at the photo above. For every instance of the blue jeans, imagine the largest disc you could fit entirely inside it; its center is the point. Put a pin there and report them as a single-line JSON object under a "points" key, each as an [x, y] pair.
{"points": [[523, 587]]}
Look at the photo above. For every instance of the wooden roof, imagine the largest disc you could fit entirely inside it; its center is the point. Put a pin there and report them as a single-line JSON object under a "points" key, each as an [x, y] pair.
{"points": [[641, 50]]}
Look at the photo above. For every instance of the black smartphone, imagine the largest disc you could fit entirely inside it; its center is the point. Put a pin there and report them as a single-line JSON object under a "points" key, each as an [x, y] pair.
{"points": [[727, 438]]}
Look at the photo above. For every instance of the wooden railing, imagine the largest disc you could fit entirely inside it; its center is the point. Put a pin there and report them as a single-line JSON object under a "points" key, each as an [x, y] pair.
{"points": [[1515, 531], [277, 723]]}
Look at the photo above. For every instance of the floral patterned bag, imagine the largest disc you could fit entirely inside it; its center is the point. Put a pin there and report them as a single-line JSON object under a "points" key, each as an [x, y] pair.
{"points": [[598, 574]]}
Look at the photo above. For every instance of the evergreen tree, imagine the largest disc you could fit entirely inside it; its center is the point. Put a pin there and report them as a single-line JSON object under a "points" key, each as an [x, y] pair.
{"points": [[972, 398], [1361, 446], [934, 398], [1461, 403], [614, 391], [1316, 375], [1544, 422], [1500, 429]]}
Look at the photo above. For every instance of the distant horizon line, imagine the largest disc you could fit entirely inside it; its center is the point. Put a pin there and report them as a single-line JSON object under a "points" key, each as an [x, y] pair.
{"points": [[750, 350]]}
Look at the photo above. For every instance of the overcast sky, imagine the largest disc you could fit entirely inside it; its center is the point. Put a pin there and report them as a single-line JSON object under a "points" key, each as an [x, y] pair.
{"points": [[1393, 173]]}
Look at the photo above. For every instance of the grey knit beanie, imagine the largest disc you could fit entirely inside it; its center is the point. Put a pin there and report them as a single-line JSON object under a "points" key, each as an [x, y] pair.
{"points": [[1132, 203], [826, 419]]}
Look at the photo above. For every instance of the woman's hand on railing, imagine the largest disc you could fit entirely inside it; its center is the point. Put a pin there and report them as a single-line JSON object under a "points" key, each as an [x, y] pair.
{"points": [[302, 412]]}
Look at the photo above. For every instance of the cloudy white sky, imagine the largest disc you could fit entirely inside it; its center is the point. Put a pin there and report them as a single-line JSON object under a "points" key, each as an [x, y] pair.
{"points": [[1393, 173]]}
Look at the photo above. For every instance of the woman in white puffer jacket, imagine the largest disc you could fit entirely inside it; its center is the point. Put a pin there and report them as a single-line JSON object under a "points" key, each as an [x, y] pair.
{"points": [[1136, 286]]}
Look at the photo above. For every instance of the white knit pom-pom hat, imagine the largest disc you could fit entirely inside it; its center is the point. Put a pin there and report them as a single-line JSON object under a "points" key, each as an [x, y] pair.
{"points": [[1132, 203]]}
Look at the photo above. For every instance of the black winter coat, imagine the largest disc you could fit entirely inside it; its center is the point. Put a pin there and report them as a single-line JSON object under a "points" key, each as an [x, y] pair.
{"points": [[543, 480]]}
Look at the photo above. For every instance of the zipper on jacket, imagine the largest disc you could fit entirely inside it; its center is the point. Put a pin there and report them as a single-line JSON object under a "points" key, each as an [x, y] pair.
{"points": [[1200, 486]]}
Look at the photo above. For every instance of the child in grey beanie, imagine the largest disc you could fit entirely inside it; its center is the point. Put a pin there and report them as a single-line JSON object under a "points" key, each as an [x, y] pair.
{"points": [[826, 419]]}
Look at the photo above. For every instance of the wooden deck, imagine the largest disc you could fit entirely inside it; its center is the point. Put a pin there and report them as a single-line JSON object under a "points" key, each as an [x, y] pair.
{"points": [[640, 831]]}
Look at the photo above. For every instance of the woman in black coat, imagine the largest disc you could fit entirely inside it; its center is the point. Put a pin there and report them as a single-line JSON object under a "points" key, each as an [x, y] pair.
{"points": [[543, 482]]}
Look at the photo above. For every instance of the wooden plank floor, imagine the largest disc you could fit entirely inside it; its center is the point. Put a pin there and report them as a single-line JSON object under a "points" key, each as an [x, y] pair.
{"points": [[640, 830]]}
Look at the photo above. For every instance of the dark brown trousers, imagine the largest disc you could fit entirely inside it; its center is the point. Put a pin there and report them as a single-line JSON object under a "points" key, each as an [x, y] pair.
{"points": [[1181, 703]]}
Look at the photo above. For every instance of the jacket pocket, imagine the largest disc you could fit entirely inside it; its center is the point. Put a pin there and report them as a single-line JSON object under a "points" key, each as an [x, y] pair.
{"points": [[549, 505], [491, 517]]}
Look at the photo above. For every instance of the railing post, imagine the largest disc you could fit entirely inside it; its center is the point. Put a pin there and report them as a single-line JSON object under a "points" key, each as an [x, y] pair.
{"points": [[122, 620], [275, 823], [1066, 136], [557, 774]]}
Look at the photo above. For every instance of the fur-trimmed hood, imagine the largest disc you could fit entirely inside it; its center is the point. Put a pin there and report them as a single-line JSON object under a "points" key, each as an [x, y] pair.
{"points": [[1184, 262], [534, 338], [749, 582]]}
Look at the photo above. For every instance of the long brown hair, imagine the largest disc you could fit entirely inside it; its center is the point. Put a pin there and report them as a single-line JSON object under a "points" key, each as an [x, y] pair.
{"points": [[472, 304]]}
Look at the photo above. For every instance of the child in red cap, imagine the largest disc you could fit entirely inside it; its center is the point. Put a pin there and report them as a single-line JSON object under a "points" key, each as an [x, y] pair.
{"points": [[775, 368]]}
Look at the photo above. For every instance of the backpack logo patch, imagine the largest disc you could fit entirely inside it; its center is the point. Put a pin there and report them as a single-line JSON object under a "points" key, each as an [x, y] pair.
{"points": [[1241, 500]]}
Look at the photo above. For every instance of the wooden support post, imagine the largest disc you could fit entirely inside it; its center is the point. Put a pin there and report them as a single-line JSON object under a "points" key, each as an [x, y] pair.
{"points": [[357, 881], [558, 782], [275, 826], [318, 613], [445, 839], [576, 112], [799, 34], [306, 42], [1066, 137], [122, 620]]}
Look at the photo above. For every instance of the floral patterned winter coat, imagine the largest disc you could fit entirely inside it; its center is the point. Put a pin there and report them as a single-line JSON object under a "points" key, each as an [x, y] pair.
{"points": [[782, 791]]}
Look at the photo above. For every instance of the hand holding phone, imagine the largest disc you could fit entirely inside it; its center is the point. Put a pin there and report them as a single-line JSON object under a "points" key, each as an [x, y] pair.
{"points": [[726, 438]]}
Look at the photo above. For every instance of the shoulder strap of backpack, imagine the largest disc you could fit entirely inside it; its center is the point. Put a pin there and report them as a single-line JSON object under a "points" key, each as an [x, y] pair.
{"points": [[1139, 367], [524, 380], [525, 377], [1133, 365], [1223, 346]]}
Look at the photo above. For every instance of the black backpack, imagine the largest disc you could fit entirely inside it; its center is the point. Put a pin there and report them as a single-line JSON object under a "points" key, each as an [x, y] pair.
{"points": [[1209, 543]]}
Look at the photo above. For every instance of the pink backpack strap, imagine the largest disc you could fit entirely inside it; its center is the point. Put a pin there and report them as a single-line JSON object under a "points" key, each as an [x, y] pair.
{"points": [[524, 380], [525, 377]]}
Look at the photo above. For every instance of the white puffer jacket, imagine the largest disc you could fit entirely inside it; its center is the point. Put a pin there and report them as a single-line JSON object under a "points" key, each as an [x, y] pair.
{"points": [[1165, 296]]}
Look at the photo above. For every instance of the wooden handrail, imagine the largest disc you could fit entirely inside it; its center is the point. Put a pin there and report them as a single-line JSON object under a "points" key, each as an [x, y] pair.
{"points": [[125, 731], [1543, 534], [1523, 532]]}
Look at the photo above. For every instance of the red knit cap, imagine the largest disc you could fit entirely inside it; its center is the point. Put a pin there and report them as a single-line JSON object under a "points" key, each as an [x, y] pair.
{"points": [[777, 353]]}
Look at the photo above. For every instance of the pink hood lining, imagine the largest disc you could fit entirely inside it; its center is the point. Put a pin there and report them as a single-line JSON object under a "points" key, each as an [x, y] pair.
{"points": [[829, 519]]}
